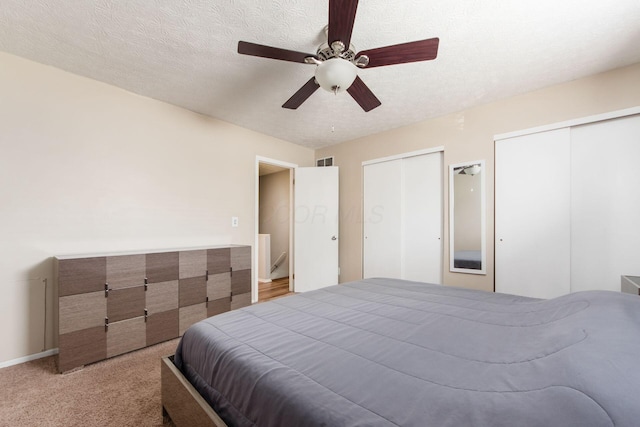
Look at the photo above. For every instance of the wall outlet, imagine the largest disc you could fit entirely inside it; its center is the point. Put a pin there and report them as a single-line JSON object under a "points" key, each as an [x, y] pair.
{"points": [[234, 221]]}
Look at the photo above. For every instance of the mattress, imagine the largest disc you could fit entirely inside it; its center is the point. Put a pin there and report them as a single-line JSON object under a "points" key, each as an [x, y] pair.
{"points": [[384, 352]]}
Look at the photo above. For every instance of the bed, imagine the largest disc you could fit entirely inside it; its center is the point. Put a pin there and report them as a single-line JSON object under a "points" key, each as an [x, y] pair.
{"points": [[468, 259], [385, 352]]}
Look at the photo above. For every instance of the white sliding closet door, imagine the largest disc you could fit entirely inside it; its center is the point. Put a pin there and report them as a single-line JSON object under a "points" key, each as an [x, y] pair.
{"points": [[382, 218], [422, 218], [532, 214], [605, 203], [403, 218]]}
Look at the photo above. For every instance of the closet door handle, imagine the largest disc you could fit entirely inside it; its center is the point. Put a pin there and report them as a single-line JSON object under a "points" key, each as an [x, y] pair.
{"points": [[334, 238]]}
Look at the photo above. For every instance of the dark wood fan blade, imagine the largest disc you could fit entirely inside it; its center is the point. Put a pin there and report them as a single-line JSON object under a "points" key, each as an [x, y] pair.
{"points": [[363, 95], [342, 14], [423, 50], [302, 94], [247, 48]]}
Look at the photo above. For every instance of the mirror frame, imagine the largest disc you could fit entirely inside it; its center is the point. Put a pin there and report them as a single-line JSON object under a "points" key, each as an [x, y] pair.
{"points": [[483, 225]]}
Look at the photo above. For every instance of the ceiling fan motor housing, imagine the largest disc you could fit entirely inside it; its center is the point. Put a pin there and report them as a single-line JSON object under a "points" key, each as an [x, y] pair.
{"points": [[326, 52]]}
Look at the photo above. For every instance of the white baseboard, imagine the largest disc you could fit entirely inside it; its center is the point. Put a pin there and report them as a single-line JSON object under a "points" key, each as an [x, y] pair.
{"points": [[29, 358]]}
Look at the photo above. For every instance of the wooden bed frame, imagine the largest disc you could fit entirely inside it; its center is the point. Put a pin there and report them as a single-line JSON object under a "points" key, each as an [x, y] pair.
{"points": [[181, 402]]}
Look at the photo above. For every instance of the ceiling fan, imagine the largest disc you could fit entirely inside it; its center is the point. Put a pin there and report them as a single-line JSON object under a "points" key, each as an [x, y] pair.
{"points": [[336, 61]]}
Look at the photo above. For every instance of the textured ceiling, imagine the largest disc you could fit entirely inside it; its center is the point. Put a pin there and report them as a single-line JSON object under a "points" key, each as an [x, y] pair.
{"points": [[184, 52]]}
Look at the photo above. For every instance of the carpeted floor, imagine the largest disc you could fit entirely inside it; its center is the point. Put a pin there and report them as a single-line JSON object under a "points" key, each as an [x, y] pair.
{"points": [[122, 391]]}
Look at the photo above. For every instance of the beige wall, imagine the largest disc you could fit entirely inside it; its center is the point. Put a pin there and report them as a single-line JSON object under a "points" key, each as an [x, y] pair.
{"points": [[86, 167], [274, 217], [466, 136]]}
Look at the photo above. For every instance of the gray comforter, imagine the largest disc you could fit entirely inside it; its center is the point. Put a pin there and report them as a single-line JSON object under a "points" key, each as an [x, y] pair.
{"points": [[383, 352]]}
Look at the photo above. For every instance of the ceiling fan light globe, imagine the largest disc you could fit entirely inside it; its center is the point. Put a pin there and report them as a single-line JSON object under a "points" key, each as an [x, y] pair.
{"points": [[472, 170], [336, 75]]}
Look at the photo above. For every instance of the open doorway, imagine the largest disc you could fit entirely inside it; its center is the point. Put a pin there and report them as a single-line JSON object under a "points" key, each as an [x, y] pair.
{"points": [[273, 229]]}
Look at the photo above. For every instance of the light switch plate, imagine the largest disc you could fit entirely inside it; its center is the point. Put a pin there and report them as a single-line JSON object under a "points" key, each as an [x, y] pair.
{"points": [[234, 221]]}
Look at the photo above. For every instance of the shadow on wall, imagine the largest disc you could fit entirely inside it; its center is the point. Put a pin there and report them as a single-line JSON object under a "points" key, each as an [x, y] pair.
{"points": [[39, 308]]}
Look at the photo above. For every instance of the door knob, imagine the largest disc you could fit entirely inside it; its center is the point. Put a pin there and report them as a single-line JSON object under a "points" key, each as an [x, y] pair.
{"points": [[334, 238]]}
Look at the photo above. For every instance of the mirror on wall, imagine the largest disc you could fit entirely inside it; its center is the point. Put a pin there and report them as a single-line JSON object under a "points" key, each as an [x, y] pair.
{"points": [[467, 252]]}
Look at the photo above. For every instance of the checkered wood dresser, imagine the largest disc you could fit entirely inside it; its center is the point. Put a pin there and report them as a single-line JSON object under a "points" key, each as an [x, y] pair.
{"points": [[112, 304]]}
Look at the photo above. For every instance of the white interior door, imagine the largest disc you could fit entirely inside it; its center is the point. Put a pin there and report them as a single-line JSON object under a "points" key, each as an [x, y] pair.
{"points": [[533, 214], [422, 218], [315, 228], [605, 203], [382, 218]]}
